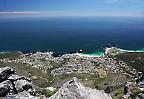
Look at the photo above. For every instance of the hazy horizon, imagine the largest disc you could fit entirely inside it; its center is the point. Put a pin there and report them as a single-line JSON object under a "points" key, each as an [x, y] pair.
{"points": [[131, 8]]}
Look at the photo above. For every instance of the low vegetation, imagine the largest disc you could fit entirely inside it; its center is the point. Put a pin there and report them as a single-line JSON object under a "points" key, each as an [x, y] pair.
{"points": [[134, 59]]}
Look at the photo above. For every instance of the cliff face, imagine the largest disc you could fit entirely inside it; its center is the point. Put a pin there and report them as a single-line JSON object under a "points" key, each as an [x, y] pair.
{"points": [[73, 89]]}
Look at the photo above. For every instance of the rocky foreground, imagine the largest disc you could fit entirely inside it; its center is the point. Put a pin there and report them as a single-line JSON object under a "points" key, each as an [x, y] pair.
{"points": [[73, 89], [13, 86]]}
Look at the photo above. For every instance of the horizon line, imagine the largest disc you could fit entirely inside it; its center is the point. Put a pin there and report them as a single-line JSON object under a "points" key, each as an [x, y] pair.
{"points": [[64, 13]]}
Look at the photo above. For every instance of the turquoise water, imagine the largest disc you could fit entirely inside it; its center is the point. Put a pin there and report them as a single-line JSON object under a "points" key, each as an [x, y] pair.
{"points": [[101, 53]]}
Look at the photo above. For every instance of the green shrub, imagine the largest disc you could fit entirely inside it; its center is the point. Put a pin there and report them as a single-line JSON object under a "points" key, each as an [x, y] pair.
{"points": [[47, 93]]}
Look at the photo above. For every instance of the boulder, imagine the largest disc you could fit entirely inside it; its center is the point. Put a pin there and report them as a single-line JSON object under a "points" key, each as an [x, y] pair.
{"points": [[22, 85], [12, 84], [141, 95], [73, 89], [5, 88], [141, 86], [5, 73]]}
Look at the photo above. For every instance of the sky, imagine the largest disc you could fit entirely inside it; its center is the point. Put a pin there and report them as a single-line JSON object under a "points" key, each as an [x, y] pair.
{"points": [[73, 7]]}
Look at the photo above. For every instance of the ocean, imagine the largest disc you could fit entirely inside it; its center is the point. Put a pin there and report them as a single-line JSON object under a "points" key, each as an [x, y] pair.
{"points": [[71, 34]]}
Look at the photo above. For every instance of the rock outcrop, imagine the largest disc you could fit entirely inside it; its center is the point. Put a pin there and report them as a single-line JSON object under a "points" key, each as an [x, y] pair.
{"points": [[5, 73], [13, 86], [73, 89]]}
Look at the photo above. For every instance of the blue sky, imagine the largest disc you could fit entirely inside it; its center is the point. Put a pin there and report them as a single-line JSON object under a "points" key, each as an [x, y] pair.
{"points": [[74, 7]]}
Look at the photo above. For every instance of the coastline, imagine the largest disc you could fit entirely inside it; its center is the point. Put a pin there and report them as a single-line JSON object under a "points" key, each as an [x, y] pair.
{"points": [[81, 54], [102, 53]]}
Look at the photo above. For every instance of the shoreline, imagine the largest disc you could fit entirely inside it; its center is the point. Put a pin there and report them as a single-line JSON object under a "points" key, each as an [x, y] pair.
{"points": [[101, 54], [80, 53]]}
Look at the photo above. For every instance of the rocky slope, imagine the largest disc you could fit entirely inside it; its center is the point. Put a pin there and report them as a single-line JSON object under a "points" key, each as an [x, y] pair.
{"points": [[13, 86], [73, 89]]}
